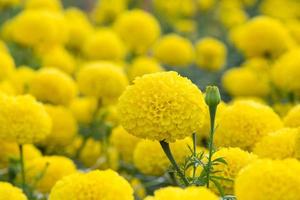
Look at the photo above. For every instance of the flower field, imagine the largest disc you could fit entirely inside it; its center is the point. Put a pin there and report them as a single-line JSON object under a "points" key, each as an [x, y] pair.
{"points": [[149, 99]]}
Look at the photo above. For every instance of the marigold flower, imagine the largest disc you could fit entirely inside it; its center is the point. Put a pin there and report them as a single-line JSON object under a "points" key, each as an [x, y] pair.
{"points": [[7, 192]]}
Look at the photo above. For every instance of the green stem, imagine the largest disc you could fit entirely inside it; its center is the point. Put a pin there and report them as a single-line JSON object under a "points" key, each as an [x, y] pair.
{"points": [[194, 153], [212, 112], [22, 167], [166, 148]]}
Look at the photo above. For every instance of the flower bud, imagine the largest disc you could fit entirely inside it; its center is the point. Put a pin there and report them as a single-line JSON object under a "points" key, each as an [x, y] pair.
{"points": [[212, 96]]}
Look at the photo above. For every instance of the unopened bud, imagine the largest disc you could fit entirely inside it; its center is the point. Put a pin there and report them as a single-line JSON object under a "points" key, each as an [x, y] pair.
{"points": [[212, 96]]}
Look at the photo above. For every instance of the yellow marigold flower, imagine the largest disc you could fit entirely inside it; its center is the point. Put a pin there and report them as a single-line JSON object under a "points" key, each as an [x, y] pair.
{"points": [[262, 36], [175, 8], [106, 11], [138, 29], [10, 150], [80, 28], [280, 144], [162, 106], [236, 160], [64, 126], [50, 169], [53, 5], [281, 9], [185, 26], [7, 65], [103, 80], [292, 118], [9, 192], [286, 71], [21, 79], [269, 180], [210, 54], [205, 5], [124, 142], [243, 81], [232, 14], [156, 163], [164, 51], [143, 65], [7, 88], [190, 193], [53, 86], [58, 57], [84, 108], [257, 63], [38, 27], [91, 152], [104, 44], [244, 123], [18, 120], [100, 185]]}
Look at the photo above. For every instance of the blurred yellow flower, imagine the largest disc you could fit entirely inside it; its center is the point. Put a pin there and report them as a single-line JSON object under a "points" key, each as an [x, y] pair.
{"points": [[138, 29]]}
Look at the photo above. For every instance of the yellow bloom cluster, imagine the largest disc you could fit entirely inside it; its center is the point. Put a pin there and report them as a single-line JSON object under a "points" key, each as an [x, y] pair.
{"points": [[44, 172], [25, 129], [9, 192], [162, 106], [244, 123], [269, 180], [280, 144], [190, 193], [100, 185], [156, 162], [103, 80]]}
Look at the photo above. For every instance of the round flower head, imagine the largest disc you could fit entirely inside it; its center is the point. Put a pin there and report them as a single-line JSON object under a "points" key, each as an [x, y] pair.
{"points": [[106, 11], [244, 123], [100, 185], [236, 160], [164, 51], [52, 5], [244, 81], [21, 79], [7, 65], [162, 106], [156, 163], [104, 44], [103, 80], [124, 142], [138, 29], [53, 86], [91, 152], [64, 127], [286, 71], [58, 57], [37, 27], [84, 108], [10, 150], [80, 28], [210, 54], [262, 36], [52, 168], [143, 65], [269, 180], [292, 119], [23, 120], [9, 192], [280, 144], [190, 193]]}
